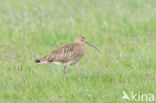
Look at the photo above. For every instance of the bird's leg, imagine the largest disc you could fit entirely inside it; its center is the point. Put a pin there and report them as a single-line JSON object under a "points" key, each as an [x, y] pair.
{"points": [[64, 70], [67, 68]]}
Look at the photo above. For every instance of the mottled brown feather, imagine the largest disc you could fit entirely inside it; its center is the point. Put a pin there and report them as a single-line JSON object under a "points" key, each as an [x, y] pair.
{"points": [[71, 52]]}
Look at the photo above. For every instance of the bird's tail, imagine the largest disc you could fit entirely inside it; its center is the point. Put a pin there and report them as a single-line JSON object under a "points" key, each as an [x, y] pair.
{"points": [[43, 60], [40, 61], [37, 61]]}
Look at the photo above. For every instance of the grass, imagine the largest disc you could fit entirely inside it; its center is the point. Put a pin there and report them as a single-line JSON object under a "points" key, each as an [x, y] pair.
{"points": [[124, 30]]}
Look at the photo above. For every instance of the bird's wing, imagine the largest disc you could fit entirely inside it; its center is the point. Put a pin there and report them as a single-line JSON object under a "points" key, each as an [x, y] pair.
{"points": [[62, 54]]}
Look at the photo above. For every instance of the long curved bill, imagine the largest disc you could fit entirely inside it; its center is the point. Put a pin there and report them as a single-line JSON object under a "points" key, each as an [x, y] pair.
{"points": [[93, 46]]}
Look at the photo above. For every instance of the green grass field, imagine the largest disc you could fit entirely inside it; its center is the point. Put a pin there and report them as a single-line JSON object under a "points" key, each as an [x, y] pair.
{"points": [[123, 30]]}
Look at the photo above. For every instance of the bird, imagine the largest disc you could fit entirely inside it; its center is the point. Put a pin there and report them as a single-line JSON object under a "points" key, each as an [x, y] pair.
{"points": [[67, 55]]}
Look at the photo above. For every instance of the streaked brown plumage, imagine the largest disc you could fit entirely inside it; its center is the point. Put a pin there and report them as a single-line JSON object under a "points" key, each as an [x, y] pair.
{"points": [[66, 55]]}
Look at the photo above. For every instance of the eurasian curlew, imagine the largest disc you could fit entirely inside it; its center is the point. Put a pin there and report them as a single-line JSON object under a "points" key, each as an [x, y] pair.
{"points": [[67, 55]]}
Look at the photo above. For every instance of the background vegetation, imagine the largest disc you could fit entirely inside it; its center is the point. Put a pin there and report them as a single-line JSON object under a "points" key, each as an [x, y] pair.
{"points": [[124, 30]]}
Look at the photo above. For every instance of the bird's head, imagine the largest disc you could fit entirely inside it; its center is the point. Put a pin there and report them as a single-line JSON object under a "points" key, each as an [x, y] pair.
{"points": [[82, 41]]}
